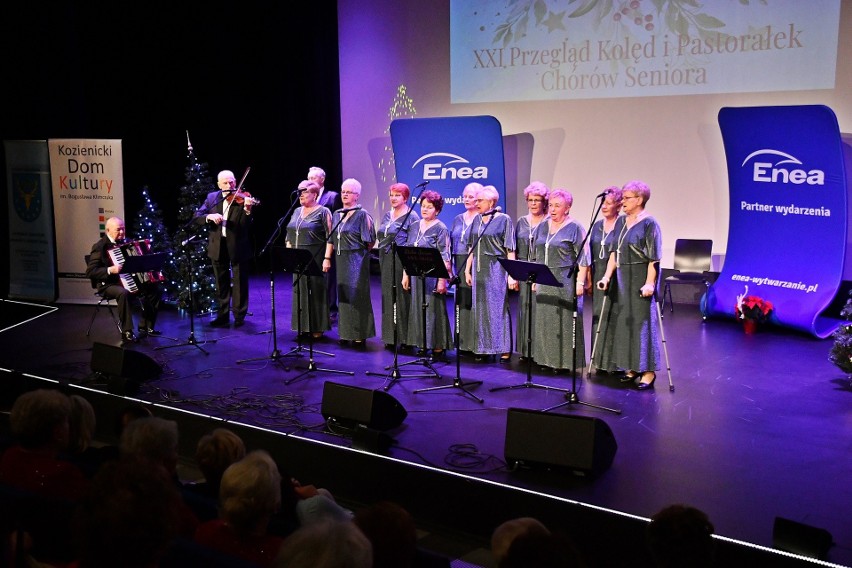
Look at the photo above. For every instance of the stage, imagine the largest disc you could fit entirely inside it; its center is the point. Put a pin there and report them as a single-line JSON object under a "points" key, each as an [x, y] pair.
{"points": [[756, 427]]}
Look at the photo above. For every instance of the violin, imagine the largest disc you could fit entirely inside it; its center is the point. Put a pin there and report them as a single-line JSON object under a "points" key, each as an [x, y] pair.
{"points": [[239, 196]]}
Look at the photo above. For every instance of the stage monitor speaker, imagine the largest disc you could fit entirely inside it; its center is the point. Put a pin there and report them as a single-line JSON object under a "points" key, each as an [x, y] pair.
{"points": [[540, 440], [120, 362], [351, 406], [802, 539]]}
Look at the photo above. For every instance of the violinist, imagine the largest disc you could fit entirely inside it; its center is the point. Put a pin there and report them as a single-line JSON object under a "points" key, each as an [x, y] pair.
{"points": [[228, 212]]}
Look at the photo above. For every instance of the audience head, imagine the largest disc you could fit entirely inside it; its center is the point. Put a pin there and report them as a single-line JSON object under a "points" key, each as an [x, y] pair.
{"points": [[82, 424], [681, 536], [216, 451], [433, 197], [153, 441], [391, 531], [128, 414], [250, 493], [504, 534], [331, 544], [40, 419], [129, 517], [538, 550], [639, 189]]}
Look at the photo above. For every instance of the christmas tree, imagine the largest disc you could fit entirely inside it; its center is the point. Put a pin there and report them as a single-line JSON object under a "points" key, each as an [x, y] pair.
{"points": [[148, 224], [841, 352], [188, 262]]}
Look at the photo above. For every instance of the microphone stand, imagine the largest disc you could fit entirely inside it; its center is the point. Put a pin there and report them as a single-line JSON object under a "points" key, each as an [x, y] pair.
{"points": [[458, 383], [571, 396], [191, 340], [276, 355], [395, 375], [312, 367]]}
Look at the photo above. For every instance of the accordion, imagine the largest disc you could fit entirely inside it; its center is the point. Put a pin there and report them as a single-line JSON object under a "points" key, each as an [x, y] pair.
{"points": [[133, 280]]}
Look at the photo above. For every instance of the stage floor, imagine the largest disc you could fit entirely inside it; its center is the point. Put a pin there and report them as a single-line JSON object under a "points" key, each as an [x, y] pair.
{"points": [[757, 427]]}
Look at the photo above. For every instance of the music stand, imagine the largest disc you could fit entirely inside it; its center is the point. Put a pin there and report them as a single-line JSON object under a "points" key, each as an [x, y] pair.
{"points": [[276, 354], [301, 262], [422, 262], [531, 273], [427, 263]]}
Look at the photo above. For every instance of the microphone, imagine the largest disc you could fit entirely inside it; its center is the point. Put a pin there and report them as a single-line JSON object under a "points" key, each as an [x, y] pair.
{"points": [[493, 211], [189, 240], [602, 194], [300, 190], [356, 208], [424, 184]]}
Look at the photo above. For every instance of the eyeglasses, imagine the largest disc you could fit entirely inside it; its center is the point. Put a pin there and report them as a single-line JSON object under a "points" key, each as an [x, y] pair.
{"points": [[535, 200], [344, 192]]}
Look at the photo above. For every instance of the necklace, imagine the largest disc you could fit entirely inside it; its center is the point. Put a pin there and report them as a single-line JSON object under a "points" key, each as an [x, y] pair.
{"points": [[340, 230], [531, 236], [604, 236], [623, 235], [550, 236]]}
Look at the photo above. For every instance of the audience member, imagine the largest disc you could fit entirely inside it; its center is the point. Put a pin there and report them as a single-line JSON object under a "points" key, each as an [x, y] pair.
{"points": [[681, 536], [81, 452], [152, 443], [504, 534], [536, 550], [330, 544], [214, 453], [250, 493], [128, 518], [392, 533], [40, 424]]}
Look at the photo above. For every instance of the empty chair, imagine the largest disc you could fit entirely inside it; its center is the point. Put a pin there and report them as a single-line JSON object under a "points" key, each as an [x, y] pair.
{"points": [[691, 263], [102, 301]]}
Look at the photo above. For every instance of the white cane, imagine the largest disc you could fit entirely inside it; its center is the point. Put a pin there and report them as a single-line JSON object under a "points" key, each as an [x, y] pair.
{"points": [[597, 333], [663, 337]]}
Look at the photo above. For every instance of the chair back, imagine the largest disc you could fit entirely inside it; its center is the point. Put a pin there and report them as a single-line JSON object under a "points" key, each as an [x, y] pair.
{"points": [[693, 255]]}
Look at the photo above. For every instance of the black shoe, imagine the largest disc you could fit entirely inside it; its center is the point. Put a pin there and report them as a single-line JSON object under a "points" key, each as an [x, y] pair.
{"points": [[150, 331], [629, 377], [239, 322], [219, 322], [440, 356], [649, 385], [128, 337]]}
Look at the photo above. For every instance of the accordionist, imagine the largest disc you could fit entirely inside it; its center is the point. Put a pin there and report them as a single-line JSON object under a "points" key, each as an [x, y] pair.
{"points": [[106, 274]]}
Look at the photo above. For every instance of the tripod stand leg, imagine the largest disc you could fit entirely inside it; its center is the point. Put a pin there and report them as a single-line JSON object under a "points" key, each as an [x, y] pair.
{"points": [[665, 347]]}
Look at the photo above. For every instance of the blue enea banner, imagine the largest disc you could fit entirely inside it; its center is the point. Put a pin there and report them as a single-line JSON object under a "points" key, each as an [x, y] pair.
{"points": [[449, 153], [788, 218]]}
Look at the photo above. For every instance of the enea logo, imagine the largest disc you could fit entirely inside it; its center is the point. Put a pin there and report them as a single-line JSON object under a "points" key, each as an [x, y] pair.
{"points": [[440, 166], [782, 169]]}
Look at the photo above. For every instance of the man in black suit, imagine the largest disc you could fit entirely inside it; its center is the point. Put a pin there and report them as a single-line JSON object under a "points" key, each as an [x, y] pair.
{"points": [[105, 273], [332, 201], [229, 247]]}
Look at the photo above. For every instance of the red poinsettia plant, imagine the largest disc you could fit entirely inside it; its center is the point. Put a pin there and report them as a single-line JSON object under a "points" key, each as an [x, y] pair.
{"points": [[753, 308]]}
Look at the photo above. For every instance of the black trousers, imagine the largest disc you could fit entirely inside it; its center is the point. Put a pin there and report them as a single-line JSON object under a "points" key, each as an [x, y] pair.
{"points": [[148, 297], [227, 295]]}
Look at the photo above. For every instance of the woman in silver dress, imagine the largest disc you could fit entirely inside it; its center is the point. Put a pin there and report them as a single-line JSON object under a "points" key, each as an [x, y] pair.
{"points": [[391, 232], [429, 232], [633, 323], [558, 337], [601, 237], [536, 197], [352, 241], [458, 236], [492, 236], [308, 229]]}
